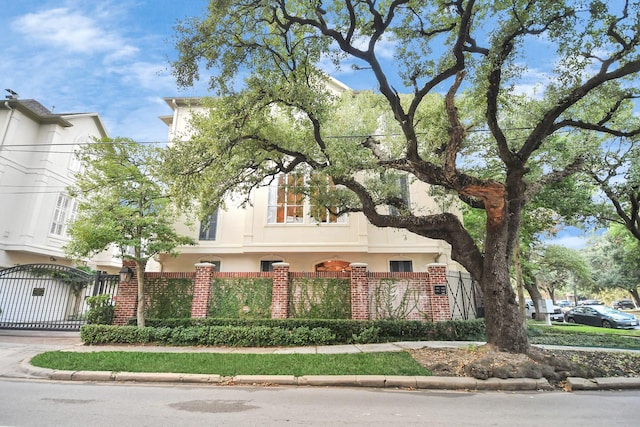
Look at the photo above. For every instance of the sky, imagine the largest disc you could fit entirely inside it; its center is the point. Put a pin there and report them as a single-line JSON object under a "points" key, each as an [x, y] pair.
{"points": [[109, 57], [112, 57]]}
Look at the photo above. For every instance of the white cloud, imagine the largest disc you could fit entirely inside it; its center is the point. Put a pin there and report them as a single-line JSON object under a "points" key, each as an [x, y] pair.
{"points": [[72, 32]]}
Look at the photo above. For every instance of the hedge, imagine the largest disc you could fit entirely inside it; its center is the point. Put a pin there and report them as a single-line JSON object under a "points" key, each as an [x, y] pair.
{"points": [[281, 332]]}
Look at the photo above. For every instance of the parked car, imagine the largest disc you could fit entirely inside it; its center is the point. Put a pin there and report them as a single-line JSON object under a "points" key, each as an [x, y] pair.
{"points": [[601, 315], [589, 302], [564, 304], [624, 303], [530, 310]]}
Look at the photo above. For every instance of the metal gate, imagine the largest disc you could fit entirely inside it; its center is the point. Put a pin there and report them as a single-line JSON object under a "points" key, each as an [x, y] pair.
{"points": [[49, 296], [465, 296]]}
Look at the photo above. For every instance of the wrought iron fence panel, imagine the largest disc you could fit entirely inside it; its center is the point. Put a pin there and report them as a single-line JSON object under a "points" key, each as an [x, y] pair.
{"points": [[465, 298], [49, 296]]}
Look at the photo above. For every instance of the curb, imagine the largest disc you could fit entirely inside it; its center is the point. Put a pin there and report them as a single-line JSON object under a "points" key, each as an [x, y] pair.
{"points": [[366, 381]]}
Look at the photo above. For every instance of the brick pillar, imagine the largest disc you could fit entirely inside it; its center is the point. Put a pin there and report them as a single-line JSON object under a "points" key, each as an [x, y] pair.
{"points": [[359, 291], [438, 303], [202, 289], [280, 292], [127, 297]]}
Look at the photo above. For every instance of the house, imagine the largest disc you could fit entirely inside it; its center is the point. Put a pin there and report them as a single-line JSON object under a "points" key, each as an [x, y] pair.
{"points": [[276, 226], [37, 163]]}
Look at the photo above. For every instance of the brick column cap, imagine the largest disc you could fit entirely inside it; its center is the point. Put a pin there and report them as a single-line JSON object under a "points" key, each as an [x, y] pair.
{"points": [[436, 264], [205, 264], [280, 264], [358, 265]]}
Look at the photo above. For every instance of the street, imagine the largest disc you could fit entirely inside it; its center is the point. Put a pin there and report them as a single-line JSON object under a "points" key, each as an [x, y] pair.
{"points": [[45, 403]]}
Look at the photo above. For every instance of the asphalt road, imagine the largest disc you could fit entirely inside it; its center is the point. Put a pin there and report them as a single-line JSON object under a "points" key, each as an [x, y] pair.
{"points": [[46, 403]]}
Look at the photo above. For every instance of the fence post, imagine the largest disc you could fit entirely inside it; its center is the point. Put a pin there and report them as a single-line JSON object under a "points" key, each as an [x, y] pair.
{"points": [[359, 291], [280, 291], [437, 292], [127, 297], [202, 289]]}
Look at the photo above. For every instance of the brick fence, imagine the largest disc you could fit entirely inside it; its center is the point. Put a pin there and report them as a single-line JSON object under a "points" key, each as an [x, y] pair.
{"points": [[428, 290]]}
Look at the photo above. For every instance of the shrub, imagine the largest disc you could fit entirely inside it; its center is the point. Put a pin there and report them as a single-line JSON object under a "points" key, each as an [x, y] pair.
{"points": [[100, 309], [283, 332]]}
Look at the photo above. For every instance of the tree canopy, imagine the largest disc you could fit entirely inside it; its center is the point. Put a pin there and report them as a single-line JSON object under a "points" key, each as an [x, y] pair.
{"points": [[450, 128], [122, 203]]}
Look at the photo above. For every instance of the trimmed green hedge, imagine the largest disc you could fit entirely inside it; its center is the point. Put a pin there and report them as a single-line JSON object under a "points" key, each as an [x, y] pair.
{"points": [[232, 336], [282, 332]]}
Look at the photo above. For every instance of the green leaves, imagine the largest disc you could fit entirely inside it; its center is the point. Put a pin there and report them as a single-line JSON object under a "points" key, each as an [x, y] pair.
{"points": [[122, 202]]}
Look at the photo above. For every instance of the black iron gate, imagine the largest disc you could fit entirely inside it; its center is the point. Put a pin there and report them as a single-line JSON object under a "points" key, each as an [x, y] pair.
{"points": [[49, 296], [465, 296]]}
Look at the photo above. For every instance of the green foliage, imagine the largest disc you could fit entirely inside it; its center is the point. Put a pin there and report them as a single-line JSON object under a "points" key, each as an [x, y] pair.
{"points": [[464, 126], [347, 331], [615, 259], [168, 298], [248, 298], [232, 336], [100, 309], [122, 202], [320, 298], [561, 268]]}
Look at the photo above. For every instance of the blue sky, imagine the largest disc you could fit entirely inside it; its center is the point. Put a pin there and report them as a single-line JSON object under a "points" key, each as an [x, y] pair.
{"points": [[109, 57]]}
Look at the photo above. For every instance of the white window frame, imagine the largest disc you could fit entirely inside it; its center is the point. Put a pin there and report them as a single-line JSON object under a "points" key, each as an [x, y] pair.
{"points": [[64, 212], [273, 204]]}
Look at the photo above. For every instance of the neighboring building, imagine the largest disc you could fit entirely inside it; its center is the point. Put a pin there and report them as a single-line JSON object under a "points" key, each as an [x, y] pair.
{"points": [[277, 226], [37, 163]]}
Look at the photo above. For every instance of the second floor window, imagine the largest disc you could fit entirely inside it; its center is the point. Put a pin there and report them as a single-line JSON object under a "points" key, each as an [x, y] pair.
{"points": [[286, 200], [208, 227], [288, 205], [63, 213]]}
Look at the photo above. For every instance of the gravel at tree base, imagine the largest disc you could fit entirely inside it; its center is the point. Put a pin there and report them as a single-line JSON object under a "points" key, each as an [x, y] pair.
{"points": [[484, 362]]}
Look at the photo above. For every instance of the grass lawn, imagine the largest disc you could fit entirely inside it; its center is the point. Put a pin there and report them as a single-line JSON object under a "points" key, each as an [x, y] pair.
{"points": [[584, 329], [388, 363]]}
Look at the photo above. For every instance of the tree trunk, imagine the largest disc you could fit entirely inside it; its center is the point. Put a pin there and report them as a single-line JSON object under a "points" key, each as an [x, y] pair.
{"points": [[505, 326], [140, 266], [636, 296], [535, 295]]}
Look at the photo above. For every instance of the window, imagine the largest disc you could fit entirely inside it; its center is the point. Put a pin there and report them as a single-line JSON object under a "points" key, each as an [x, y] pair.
{"points": [[65, 212], [267, 265], [208, 227], [320, 214], [286, 200], [403, 184], [401, 266]]}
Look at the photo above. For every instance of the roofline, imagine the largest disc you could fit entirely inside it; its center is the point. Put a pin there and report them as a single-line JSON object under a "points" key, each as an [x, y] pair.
{"points": [[51, 118]]}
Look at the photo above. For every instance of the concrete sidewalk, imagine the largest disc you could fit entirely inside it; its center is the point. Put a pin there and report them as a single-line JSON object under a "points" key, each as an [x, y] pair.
{"points": [[18, 347]]}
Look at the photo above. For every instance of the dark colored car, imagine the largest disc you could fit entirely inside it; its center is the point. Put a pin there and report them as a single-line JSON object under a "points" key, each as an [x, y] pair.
{"points": [[624, 303], [600, 315]]}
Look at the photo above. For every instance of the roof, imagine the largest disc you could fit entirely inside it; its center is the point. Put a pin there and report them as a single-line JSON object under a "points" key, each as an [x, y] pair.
{"points": [[36, 111]]}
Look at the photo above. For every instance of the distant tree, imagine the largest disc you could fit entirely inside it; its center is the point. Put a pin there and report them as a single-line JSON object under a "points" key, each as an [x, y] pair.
{"points": [[122, 203], [284, 119], [559, 267], [615, 259]]}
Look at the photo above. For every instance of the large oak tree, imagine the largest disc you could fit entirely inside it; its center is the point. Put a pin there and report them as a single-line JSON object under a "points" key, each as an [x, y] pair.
{"points": [[460, 62]]}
